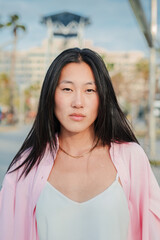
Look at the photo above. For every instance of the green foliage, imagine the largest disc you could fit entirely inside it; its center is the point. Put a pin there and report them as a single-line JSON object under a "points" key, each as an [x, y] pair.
{"points": [[1, 25], [13, 22], [32, 89], [14, 25], [155, 163], [32, 92], [4, 89], [142, 68], [14, 18], [109, 65]]}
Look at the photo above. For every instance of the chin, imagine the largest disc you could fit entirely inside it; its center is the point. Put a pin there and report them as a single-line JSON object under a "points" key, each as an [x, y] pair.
{"points": [[76, 129]]}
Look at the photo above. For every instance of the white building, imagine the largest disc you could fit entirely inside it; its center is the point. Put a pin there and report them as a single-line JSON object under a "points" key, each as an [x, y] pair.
{"points": [[32, 64]]}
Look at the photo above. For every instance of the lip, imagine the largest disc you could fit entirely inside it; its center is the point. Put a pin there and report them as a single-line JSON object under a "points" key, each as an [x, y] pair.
{"points": [[77, 116]]}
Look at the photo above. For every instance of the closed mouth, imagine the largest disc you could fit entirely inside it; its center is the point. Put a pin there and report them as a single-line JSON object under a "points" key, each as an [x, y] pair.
{"points": [[77, 115]]}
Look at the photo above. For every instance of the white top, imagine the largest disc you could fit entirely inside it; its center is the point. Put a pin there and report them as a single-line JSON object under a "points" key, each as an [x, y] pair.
{"points": [[105, 216]]}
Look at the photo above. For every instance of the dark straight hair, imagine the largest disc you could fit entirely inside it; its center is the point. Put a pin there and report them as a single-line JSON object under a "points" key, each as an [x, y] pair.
{"points": [[111, 124]]}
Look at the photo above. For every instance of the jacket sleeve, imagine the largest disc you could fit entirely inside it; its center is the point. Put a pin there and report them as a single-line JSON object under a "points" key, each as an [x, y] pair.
{"points": [[7, 203], [16, 205], [149, 198], [154, 207], [144, 196]]}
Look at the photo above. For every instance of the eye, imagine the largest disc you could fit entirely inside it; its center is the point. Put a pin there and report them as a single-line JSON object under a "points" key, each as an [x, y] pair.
{"points": [[90, 90], [67, 89]]}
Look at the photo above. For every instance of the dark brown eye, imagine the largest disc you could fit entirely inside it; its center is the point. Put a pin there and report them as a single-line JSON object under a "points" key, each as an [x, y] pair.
{"points": [[90, 90], [67, 89]]}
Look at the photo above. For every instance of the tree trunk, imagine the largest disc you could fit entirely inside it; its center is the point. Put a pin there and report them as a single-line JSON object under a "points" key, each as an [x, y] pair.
{"points": [[12, 75]]}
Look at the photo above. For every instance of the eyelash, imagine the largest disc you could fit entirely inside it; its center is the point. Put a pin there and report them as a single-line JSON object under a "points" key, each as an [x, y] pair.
{"points": [[69, 89], [91, 90]]}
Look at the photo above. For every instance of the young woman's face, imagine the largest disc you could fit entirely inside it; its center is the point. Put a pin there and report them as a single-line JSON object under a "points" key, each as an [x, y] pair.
{"points": [[76, 98]]}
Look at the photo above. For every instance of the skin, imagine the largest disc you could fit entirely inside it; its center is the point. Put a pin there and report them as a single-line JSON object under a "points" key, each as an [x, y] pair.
{"points": [[76, 94], [79, 179]]}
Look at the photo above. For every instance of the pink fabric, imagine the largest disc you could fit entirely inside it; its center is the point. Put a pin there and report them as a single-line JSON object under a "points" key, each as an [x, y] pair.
{"points": [[18, 198]]}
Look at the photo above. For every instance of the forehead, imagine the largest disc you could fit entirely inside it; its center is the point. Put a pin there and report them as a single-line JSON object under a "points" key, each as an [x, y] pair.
{"points": [[77, 72]]}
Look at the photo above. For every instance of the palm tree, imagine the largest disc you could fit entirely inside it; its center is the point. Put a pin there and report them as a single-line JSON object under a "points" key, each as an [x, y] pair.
{"points": [[4, 89], [15, 26]]}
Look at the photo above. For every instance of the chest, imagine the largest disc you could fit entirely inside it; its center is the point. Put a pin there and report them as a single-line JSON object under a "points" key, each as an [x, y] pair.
{"points": [[82, 181]]}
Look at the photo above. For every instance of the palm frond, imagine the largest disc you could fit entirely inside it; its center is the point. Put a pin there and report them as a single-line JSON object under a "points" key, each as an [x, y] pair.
{"points": [[2, 25], [21, 26], [8, 24], [14, 18]]}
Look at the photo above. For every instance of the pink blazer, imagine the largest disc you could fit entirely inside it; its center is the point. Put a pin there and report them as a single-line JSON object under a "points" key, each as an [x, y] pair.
{"points": [[18, 198]]}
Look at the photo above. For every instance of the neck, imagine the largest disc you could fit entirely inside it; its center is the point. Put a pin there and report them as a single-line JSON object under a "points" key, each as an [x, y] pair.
{"points": [[77, 143]]}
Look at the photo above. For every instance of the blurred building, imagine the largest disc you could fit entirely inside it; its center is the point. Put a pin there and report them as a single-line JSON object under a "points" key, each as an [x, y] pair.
{"points": [[31, 64]]}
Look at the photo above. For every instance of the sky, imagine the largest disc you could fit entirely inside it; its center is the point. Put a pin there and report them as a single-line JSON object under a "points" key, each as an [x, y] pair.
{"points": [[113, 24]]}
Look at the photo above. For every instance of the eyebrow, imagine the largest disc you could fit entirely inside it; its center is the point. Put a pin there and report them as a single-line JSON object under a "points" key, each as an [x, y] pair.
{"points": [[87, 83]]}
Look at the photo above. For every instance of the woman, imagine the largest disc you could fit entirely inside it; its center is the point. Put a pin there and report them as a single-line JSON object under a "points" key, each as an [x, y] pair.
{"points": [[80, 173]]}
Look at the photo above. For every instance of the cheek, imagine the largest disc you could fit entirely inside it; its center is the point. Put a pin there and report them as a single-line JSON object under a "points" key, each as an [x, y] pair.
{"points": [[93, 108], [58, 103], [61, 104], [95, 104]]}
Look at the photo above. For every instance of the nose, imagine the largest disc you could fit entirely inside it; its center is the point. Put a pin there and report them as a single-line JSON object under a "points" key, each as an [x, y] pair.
{"points": [[78, 100]]}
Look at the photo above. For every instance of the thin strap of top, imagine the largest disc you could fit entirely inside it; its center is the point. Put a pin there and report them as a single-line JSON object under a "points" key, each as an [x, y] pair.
{"points": [[117, 176]]}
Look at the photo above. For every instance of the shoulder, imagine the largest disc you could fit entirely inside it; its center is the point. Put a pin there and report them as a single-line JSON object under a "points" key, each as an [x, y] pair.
{"points": [[128, 148], [132, 154], [11, 177], [135, 164], [131, 148]]}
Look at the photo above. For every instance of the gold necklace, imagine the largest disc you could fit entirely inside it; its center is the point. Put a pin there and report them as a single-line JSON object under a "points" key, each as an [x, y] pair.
{"points": [[79, 156]]}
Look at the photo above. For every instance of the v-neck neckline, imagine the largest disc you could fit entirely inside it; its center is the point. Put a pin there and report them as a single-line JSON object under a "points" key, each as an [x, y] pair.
{"points": [[89, 200]]}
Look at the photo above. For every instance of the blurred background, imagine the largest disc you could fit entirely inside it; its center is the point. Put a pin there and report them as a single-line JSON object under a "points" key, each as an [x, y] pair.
{"points": [[126, 33]]}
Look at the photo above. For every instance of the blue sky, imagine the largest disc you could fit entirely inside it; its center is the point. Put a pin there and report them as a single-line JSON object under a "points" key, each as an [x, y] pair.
{"points": [[113, 25]]}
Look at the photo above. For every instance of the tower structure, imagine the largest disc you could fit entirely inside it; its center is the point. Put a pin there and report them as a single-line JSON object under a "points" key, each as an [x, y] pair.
{"points": [[66, 25]]}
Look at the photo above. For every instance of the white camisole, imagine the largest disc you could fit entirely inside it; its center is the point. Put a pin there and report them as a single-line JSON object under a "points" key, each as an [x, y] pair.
{"points": [[103, 217]]}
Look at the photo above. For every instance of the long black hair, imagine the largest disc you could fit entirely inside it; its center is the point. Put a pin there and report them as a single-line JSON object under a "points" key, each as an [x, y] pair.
{"points": [[111, 124]]}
